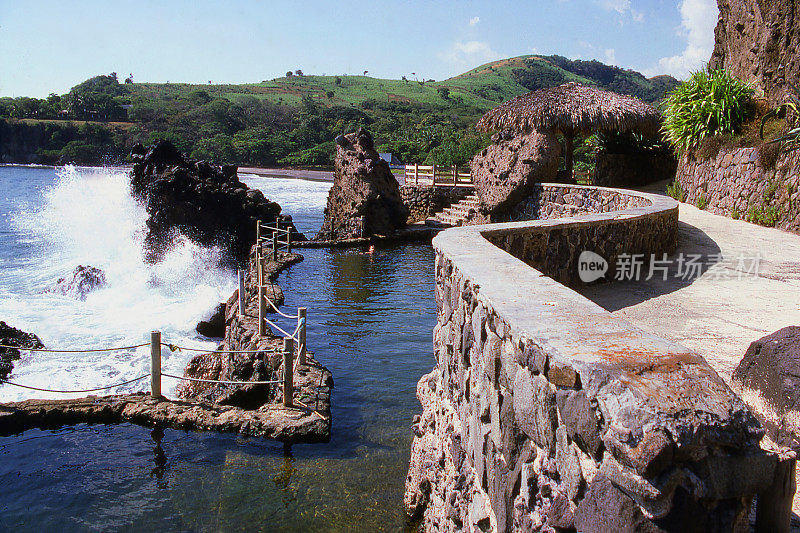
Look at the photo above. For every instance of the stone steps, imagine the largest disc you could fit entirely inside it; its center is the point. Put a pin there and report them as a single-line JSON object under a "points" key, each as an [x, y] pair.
{"points": [[455, 215]]}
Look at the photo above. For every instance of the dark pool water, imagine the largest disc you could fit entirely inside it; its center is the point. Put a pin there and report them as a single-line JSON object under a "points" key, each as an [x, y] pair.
{"points": [[370, 322]]}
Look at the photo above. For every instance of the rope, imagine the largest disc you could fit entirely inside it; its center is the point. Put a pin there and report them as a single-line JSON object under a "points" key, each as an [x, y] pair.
{"points": [[174, 347], [120, 348], [284, 315], [285, 333], [297, 329], [199, 380], [74, 391]]}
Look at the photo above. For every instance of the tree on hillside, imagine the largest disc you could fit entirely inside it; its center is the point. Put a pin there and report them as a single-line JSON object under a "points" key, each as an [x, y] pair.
{"points": [[444, 92], [338, 81], [298, 72], [405, 79], [365, 72], [289, 73]]}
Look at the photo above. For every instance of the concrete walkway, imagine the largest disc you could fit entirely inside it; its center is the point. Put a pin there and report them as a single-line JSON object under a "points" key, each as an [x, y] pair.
{"points": [[719, 313]]}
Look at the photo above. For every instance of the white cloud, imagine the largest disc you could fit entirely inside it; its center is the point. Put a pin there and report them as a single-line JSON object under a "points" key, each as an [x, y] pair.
{"points": [[474, 20], [610, 56], [623, 7], [698, 18], [469, 54]]}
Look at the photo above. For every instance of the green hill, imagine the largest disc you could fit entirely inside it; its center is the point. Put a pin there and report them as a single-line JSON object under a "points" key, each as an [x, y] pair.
{"points": [[293, 120], [482, 88]]}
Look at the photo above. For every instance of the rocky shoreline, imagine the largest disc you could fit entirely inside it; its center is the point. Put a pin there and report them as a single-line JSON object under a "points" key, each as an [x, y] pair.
{"points": [[251, 410]]}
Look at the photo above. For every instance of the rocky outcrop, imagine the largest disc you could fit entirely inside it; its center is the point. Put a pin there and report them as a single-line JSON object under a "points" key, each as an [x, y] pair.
{"points": [[505, 172], [288, 424], [205, 202], [768, 377], [10, 336], [215, 325], [757, 42], [83, 280], [263, 360], [365, 197]]}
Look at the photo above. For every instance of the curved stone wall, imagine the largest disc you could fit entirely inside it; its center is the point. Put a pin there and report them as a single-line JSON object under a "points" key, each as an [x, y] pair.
{"points": [[546, 412], [734, 183]]}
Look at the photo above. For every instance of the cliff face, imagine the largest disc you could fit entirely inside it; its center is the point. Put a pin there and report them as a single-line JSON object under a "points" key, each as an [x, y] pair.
{"points": [[756, 40]]}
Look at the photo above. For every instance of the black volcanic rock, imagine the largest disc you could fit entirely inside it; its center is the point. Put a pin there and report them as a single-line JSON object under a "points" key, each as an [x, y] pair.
{"points": [[10, 336], [84, 280], [205, 202], [214, 326]]}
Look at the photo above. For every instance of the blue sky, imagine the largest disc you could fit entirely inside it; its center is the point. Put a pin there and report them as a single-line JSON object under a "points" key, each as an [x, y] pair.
{"points": [[49, 46]]}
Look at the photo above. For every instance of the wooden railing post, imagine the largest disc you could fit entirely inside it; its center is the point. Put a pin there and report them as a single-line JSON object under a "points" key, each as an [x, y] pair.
{"points": [[288, 371], [455, 175], [242, 301], [274, 245], [433, 173], [416, 173], [289, 239], [258, 236], [155, 364], [301, 334], [262, 311]]}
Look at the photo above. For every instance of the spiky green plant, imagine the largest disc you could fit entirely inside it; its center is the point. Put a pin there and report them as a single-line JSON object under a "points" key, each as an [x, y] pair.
{"points": [[675, 190], [709, 103]]}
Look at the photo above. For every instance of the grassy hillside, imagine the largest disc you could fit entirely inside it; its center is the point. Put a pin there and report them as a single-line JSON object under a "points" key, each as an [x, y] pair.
{"points": [[482, 88], [293, 120]]}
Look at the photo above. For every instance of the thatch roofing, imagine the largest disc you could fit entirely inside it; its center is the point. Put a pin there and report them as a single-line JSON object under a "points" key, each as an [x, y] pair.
{"points": [[572, 108]]}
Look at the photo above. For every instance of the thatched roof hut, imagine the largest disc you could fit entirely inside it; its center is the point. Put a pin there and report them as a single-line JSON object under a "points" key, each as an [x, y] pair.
{"points": [[572, 109]]}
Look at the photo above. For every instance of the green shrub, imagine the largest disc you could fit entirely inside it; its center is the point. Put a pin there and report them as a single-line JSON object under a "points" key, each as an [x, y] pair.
{"points": [[709, 103], [702, 202], [675, 190], [734, 213], [764, 215]]}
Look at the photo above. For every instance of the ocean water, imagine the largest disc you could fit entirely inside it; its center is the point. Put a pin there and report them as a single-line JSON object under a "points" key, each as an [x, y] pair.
{"points": [[370, 321]]}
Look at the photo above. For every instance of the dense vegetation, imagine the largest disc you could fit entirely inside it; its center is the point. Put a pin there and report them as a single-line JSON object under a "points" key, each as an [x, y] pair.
{"points": [[292, 120], [710, 103]]}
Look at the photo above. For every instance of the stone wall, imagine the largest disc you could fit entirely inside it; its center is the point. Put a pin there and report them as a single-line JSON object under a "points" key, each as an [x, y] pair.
{"points": [[735, 183], [545, 412], [424, 201], [555, 248], [557, 200]]}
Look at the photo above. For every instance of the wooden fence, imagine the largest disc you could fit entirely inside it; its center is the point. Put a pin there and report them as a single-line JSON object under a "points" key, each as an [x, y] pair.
{"points": [[437, 175]]}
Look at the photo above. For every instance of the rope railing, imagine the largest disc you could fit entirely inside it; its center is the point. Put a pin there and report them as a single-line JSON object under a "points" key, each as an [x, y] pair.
{"points": [[93, 350], [278, 311], [219, 381], [277, 243], [75, 391], [155, 374], [176, 348]]}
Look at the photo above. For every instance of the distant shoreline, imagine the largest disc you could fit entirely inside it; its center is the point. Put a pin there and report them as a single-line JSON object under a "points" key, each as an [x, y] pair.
{"points": [[308, 175]]}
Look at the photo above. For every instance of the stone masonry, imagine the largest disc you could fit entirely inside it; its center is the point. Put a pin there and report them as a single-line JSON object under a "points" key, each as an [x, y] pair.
{"points": [[735, 184], [547, 413]]}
